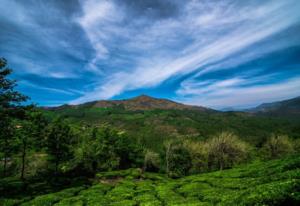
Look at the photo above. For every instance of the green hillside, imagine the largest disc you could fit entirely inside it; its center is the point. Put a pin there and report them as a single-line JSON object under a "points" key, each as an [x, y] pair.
{"points": [[262, 183], [155, 126]]}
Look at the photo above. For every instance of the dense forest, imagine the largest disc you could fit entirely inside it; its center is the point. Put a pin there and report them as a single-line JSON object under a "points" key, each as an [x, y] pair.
{"points": [[187, 156]]}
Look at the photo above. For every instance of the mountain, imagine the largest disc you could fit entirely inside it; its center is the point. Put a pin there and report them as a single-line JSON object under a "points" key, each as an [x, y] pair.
{"points": [[290, 107], [142, 102], [154, 120]]}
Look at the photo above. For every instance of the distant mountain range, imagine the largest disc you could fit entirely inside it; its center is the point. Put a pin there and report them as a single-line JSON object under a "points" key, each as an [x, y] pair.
{"points": [[290, 107], [154, 120], [142, 102]]}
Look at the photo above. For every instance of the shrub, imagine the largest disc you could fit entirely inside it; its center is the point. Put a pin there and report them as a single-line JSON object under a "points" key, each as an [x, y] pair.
{"points": [[151, 161], [225, 150], [178, 159], [277, 146], [198, 152], [296, 144]]}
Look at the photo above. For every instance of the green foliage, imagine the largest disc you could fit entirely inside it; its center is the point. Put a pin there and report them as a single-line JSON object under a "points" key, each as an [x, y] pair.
{"points": [[51, 199], [225, 150], [296, 145], [199, 153], [59, 141], [29, 133], [151, 161], [7, 142], [133, 173], [274, 182], [278, 146], [8, 96], [153, 127], [9, 110], [107, 149], [177, 158]]}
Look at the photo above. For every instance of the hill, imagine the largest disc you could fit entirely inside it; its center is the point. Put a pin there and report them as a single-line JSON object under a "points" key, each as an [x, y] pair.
{"points": [[157, 120], [290, 107], [262, 183], [142, 102]]}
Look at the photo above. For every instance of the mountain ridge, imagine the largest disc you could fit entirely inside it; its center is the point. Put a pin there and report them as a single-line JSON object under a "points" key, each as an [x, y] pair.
{"points": [[288, 107], [141, 102], [144, 117]]}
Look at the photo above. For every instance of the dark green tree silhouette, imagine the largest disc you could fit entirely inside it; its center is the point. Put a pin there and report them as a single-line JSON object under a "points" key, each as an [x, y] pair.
{"points": [[9, 109]]}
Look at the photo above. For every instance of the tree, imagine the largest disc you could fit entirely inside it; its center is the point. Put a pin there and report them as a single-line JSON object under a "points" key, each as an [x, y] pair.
{"points": [[59, 139], [118, 150], [107, 143], [7, 140], [86, 153], [177, 158], [225, 150], [107, 149], [9, 98], [278, 146], [9, 108], [29, 133]]}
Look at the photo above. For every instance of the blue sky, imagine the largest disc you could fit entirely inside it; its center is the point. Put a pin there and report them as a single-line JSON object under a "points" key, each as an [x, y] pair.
{"points": [[214, 53]]}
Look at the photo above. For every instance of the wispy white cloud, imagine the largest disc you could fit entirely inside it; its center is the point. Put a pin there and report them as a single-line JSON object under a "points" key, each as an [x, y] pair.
{"points": [[204, 35], [49, 89], [97, 15], [234, 93], [36, 39], [108, 47]]}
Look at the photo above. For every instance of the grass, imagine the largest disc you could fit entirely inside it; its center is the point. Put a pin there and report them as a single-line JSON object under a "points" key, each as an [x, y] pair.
{"points": [[275, 182]]}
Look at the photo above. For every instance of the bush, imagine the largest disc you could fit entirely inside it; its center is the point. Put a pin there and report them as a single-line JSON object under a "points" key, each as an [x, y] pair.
{"points": [[178, 159], [296, 144], [199, 154], [151, 161], [277, 146], [225, 150]]}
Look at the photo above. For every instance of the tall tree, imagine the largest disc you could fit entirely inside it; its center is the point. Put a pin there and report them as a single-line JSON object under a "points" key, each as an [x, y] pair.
{"points": [[59, 139], [30, 133], [9, 108], [9, 98]]}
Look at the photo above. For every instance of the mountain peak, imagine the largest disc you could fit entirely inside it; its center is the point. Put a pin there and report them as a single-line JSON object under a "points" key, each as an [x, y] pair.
{"points": [[144, 102], [144, 97]]}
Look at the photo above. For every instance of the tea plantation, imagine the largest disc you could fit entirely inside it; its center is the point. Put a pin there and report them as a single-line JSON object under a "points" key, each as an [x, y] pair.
{"points": [[274, 182]]}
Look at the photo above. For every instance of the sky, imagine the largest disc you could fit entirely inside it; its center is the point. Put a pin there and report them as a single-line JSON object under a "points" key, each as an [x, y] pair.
{"points": [[213, 53]]}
